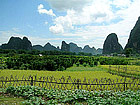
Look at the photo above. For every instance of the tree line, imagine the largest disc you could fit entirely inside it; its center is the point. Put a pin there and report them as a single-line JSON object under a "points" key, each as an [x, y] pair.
{"points": [[55, 62], [12, 52]]}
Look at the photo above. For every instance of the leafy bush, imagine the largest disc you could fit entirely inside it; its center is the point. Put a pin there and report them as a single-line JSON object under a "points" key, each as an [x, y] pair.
{"points": [[24, 67], [137, 63], [15, 67], [3, 63], [96, 63], [91, 65], [77, 64], [61, 68]]}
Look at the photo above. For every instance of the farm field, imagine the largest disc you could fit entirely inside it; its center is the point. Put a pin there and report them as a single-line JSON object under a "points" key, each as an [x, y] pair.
{"points": [[85, 75], [74, 72]]}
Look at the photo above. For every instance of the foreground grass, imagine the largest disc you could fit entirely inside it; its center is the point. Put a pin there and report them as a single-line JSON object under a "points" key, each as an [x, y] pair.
{"points": [[9, 100]]}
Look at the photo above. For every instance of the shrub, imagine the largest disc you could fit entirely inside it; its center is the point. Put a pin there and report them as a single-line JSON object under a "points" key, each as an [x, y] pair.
{"points": [[61, 68], [77, 64], [137, 63], [84, 64], [91, 65], [2, 63], [15, 67], [96, 63], [24, 67], [50, 65]]}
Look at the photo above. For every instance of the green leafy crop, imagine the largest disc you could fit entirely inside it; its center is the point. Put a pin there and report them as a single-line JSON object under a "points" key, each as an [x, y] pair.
{"points": [[39, 96]]}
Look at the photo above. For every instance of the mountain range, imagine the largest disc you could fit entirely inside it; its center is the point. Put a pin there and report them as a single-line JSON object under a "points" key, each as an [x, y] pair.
{"points": [[25, 44], [111, 44]]}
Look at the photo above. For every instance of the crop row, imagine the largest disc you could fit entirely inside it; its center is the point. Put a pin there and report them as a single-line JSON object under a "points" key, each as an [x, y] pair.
{"points": [[39, 96], [58, 74]]}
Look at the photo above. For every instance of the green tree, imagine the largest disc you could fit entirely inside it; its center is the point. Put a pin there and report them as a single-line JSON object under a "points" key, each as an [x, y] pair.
{"points": [[128, 52]]}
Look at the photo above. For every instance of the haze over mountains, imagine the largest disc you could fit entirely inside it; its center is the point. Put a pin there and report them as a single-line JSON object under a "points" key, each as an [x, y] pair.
{"points": [[111, 44]]}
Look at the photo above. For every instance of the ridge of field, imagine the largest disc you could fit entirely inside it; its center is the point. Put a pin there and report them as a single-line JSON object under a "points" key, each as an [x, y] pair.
{"points": [[128, 69], [87, 68]]}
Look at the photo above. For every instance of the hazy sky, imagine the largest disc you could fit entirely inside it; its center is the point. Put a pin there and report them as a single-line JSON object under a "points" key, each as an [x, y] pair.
{"points": [[84, 22]]}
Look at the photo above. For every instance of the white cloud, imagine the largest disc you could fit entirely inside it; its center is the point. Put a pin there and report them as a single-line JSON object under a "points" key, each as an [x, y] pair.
{"points": [[64, 5], [61, 23], [41, 10], [96, 12], [40, 6], [122, 3], [16, 29], [58, 28]]}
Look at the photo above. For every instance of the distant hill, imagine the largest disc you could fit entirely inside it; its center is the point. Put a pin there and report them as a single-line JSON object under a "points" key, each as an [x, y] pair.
{"points": [[75, 48], [47, 47], [134, 38], [111, 44], [38, 47], [18, 43], [99, 51], [87, 49], [65, 47]]}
